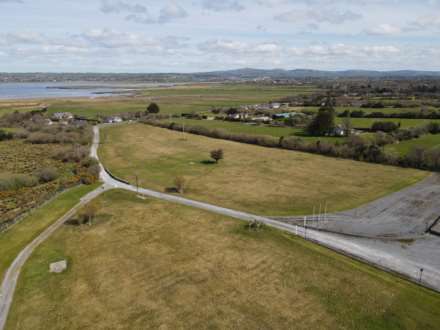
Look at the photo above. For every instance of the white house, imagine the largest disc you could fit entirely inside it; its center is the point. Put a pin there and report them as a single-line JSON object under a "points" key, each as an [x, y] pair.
{"points": [[62, 116]]}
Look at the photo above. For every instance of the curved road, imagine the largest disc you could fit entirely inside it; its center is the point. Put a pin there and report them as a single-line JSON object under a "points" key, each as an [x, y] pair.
{"points": [[390, 256]]}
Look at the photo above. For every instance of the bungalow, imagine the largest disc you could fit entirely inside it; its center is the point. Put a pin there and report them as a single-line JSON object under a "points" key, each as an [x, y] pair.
{"points": [[58, 116], [262, 119], [339, 131], [113, 120], [287, 115]]}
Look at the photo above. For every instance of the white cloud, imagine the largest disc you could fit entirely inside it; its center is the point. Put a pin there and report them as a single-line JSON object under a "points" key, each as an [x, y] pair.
{"points": [[426, 22], [384, 29], [139, 13], [172, 11], [315, 16], [222, 5]]}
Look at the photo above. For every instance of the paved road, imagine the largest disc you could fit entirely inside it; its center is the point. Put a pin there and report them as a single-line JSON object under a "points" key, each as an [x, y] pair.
{"points": [[400, 257], [405, 259], [405, 214]]}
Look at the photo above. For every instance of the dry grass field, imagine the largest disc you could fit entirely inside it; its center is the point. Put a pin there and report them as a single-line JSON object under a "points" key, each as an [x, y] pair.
{"points": [[250, 178], [150, 264]]}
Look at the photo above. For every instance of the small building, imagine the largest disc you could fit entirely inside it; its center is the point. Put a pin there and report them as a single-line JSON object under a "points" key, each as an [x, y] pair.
{"points": [[262, 119], [113, 120], [339, 131], [58, 116]]}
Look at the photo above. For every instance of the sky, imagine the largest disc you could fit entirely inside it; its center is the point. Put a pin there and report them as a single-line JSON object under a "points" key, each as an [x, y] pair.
{"points": [[206, 35]]}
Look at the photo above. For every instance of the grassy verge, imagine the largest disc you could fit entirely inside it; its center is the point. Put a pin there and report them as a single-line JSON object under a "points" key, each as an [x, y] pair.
{"points": [[17, 237], [428, 141], [250, 178], [151, 264]]}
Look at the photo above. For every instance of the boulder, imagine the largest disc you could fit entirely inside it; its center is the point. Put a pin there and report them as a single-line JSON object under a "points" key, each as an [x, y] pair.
{"points": [[58, 267]]}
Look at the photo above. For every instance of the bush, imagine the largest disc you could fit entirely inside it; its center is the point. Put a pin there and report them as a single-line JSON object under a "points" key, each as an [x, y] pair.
{"points": [[88, 213], [74, 154], [384, 126], [17, 181], [153, 108], [217, 155], [5, 135], [40, 138], [47, 174], [433, 128], [180, 184]]}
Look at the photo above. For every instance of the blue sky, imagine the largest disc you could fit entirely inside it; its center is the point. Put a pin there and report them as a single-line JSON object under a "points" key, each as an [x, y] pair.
{"points": [[205, 35]]}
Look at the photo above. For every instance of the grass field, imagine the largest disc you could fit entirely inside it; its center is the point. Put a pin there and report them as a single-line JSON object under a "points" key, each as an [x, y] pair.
{"points": [[178, 99], [250, 178], [405, 123], [17, 237], [150, 264], [236, 127], [428, 141]]}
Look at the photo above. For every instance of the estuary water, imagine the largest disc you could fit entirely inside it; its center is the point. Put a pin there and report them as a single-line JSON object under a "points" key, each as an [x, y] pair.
{"points": [[54, 90]]}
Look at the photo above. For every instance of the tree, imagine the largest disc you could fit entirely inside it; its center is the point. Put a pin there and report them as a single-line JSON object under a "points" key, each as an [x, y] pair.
{"points": [[217, 155], [180, 183], [153, 108], [88, 213], [347, 125], [324, 122]]}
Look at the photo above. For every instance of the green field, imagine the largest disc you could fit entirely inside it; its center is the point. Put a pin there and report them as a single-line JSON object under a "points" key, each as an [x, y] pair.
{"points": [[243, 128], [17, 237], [250, 178], [428, 141], [177, 99], [148, 264], [405, 123]]}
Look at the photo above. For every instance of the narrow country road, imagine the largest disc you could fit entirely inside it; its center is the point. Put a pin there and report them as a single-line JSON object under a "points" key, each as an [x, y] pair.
{"points": [[391, 256]]}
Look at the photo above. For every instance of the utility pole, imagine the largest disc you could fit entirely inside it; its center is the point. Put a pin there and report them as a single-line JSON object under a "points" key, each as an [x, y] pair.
{"points": [[137, 184], [305, 227], [421, 275]]}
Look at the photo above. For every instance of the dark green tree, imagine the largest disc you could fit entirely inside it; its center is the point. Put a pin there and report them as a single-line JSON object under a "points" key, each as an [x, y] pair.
{"points": [[324, 122], [153, 108]]}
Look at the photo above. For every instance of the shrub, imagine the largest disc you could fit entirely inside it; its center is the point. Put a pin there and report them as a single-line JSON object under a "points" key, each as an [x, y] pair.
{"points": [[254, 225], [383, 139], [47, 174], [384, 126], [74, 154], [217, 155], [17, 181], [40, 138], [180, 184], [21, 134], [433, 128], [153, 108], [88, 213], [5, 135]]}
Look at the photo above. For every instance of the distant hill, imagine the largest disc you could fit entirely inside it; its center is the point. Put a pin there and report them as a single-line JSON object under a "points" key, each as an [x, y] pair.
{"points": [[228, 75]]}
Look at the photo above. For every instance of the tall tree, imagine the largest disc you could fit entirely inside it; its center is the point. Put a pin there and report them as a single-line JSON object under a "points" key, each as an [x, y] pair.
{"points": [[324, 122], [153, 108]]}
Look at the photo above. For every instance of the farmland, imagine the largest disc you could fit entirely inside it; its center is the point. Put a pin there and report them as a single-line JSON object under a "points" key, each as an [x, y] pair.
{"points": [[149, 264], [173, 100], [241, 128], [250, 178], [426, 141]]}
